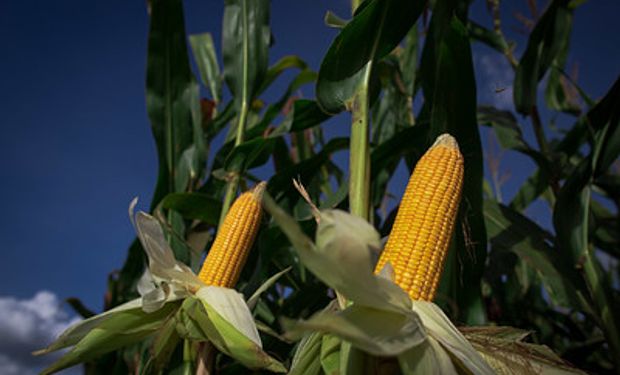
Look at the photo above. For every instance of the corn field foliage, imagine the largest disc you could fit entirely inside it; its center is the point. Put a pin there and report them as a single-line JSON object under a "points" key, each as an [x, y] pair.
{"points": [[557, 287]]}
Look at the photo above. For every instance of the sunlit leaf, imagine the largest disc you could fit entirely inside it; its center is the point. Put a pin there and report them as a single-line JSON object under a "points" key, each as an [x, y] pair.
{"points": [[102, 334], [224, 335], [245, 43], [332, 20]]}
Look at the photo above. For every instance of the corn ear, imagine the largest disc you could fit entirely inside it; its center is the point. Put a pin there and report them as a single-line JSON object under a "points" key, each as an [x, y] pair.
{"points": [[419, 240], [227, 256]]}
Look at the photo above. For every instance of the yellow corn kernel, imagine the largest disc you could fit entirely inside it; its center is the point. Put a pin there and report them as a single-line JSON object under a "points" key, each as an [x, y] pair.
{"points": [[421, 234], [233, 242]]}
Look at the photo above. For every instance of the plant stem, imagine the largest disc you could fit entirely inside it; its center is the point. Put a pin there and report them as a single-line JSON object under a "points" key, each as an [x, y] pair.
{"points": [[188, 358], [233, 183], [603, 301], [359, 159]]}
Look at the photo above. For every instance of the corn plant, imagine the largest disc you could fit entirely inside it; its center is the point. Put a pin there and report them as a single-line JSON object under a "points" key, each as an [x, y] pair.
{"points": [[464, 283]]}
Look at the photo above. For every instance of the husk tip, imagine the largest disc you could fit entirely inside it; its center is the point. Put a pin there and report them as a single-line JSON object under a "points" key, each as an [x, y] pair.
{"points": [[446, 140], [259, 190]]}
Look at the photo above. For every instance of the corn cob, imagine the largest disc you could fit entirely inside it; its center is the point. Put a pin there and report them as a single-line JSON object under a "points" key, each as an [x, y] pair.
{"points": [[225, 260], [421, 234]]}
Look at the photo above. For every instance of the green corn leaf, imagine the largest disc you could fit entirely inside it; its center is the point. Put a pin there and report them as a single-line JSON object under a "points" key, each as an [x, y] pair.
{"points": [[538, 182], [510, 231], [306, 360], [557, 94], [198, 206], [408, 61], [605, 117], [545, 44], [304, 115], [249, 155], [206, 59], [450, 89], [264, 286], [281, 182], [285, 63], [245, 39], [571, 217], [509, 134], [486, 36], [375, 30], [172, 96], [332, 20], [330, 354]]}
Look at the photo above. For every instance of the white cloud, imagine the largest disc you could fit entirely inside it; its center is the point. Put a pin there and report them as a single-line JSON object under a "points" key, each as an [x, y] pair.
{"points": [[495, 85], [27, 325]]}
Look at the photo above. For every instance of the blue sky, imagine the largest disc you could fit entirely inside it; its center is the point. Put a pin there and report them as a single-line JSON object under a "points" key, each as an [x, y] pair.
{"points": [[77, 147]]}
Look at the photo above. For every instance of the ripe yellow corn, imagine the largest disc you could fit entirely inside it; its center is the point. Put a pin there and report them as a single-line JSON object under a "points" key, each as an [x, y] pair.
{"points": [[231, 247], [421, 234]]}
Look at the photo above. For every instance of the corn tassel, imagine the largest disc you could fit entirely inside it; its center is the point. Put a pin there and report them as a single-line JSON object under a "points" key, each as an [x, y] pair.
{"points": [[225, 260], [419, 240]]}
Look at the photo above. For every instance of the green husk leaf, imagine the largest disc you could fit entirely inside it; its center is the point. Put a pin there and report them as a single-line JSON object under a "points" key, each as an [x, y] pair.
{"points": [[99, 336], [76, 332], [438, 326], [427, 358], [343, 257], [306, 360], [202, 322], [379, 332], [230, 306], [330, 354]]}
